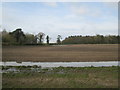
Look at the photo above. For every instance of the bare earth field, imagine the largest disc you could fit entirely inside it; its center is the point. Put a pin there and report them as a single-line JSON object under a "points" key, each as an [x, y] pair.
{"points": [[60, 53]]}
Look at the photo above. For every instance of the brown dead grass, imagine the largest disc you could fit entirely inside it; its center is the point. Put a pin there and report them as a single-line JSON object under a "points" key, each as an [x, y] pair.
{"points": [[82, 52]]}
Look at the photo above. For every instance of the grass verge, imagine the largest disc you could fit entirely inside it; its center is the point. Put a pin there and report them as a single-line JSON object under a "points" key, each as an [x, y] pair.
{"points": [[63, 77]]}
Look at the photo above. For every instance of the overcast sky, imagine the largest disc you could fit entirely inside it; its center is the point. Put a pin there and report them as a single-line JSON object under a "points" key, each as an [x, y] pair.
{"points": [[61, 18]]}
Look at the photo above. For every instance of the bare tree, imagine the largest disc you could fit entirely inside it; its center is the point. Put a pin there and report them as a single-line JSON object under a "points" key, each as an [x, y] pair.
{"points": [[40, 37], [59, 39]]}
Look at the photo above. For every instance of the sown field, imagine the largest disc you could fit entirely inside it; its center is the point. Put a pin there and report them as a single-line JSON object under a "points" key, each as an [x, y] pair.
{"points": [[81, 52], [63, 77]]}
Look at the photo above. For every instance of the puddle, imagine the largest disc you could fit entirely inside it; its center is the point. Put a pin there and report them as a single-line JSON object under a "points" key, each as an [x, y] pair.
{"points": [[63, 64]]}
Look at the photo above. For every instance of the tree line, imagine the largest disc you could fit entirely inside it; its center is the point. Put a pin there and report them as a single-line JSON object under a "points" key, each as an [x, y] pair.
{"points": [[98, 39], [18, 37]]}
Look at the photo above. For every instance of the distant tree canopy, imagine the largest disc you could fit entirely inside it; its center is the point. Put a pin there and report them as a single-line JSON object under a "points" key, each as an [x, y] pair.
{"points": [[7, 38], [30, 39], [98, 39], [18, 37], [47, 38]]}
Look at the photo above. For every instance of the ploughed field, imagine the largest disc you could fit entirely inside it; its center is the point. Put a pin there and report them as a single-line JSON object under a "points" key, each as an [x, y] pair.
{"points": [[61, 53]]}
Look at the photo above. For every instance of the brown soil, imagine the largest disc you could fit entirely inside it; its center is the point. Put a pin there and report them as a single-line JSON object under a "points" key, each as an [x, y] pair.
{"points": [[72, 53]]}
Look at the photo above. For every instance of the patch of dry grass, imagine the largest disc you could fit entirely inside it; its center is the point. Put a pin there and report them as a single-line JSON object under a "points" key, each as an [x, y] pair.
{"points": [[88, 77]]}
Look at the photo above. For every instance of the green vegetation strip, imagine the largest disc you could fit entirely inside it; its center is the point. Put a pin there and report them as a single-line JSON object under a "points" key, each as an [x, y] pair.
{"points": [[63, 77]]}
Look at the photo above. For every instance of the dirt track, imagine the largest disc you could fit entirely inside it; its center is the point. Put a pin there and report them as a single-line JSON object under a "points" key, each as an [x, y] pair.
{"points": [[82, 52]]}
